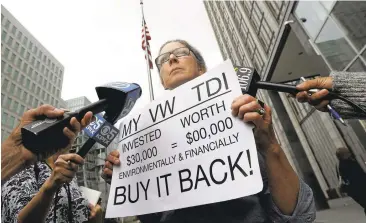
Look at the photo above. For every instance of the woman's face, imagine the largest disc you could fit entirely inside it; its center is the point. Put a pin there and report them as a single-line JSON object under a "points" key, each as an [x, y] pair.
{"points": [[177, 71]]}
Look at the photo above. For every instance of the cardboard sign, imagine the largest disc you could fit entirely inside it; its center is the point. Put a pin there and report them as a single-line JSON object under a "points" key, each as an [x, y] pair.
{"points": [[185, 149]]}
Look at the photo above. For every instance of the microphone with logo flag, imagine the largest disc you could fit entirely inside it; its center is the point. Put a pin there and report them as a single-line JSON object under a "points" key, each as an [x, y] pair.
{"points": [[45, 137]]}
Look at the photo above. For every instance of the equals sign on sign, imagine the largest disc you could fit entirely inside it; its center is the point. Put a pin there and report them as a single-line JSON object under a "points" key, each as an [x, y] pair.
{"points": [[174, 145]]}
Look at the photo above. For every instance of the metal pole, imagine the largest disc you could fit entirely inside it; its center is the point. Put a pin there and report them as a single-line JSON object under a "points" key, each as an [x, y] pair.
{"points": [[147, 57]]}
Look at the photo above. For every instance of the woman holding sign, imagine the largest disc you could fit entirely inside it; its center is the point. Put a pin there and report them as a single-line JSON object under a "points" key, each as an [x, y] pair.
{"points": [[284, 198]]}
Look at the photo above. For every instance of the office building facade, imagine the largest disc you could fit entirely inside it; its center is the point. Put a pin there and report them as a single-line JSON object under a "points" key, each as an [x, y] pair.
{"points": [[89, 175], [283, 41], [30, 74]]}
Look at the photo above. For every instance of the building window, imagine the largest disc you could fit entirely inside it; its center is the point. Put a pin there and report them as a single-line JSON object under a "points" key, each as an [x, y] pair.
{"points": [[13, 56], [22, 51], [22, 109], [10, 69], [35, 50], [48, 62], [42, 68], [25, 67], [15, 75], [27, 56], [30, 45], [3, 35], [315, 15], [38, 63], [10, 41], [27, 84], [30, 100], [19, 63], [7, 24], [35, 103], [8, 102], [11, 121], [357, 66], [40, 54], [4, 86], [6, 53], [25, 40], [19, 36], [16, 47], [4, 118], [2, 66], [38, 91], [12, 89], [13, 30], [333, 45], [18, 93], [30, 71], [33, 87], [351, 17], [33, 60], [2, 98], [14, 106], [24, 95]]}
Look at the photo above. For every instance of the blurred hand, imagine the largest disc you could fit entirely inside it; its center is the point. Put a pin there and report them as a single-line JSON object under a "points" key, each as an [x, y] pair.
{"points": [[112, 159], [244, 107], [96, 214], [325, 83], [63, 171]]}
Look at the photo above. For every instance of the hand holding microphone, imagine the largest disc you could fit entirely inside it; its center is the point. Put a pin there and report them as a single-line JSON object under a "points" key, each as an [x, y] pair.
{"points": [[16, 156], [315, 99]]}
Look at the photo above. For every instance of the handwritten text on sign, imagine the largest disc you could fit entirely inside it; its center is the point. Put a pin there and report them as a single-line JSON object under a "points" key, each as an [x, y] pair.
{"points": [[185, 149]]}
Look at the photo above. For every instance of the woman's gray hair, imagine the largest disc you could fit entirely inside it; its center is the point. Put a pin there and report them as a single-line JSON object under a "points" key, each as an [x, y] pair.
{"points": [[201, 62]]}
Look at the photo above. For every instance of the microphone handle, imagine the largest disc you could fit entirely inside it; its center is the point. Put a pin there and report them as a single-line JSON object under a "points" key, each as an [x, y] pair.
{"points": [[86, 147], [277, 87]]}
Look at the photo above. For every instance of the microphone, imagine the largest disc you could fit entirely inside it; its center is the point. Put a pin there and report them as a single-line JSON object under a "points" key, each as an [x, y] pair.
{"points": [[45, 136], [130, 102], [249, 81]]}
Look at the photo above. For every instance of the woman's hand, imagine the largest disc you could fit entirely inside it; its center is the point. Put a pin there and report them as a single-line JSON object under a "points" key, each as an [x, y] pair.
{"points": [[96, 214], [247, 108], [64, 171], [112, 159]]}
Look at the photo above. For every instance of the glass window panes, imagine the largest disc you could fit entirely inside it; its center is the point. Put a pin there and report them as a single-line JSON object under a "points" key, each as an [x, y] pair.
{"points": [[15, 75], [11, 121], [2, 98], [22, 109], [14, 106], [27, 56], [13, 30], [3, 35], [30, 45], [2, 66], [13, 56], [10, 41], [5, 84], [19, 36], [27, 84], [7, 24], [351, 17], [12, 88], [314, 13], [19, 63], [16, 46], [334, 47], [25, 67], [357, 66], [25, 40], [6, 52], [18, 93], [8, 102], [4, 118], [22, 51], [10, 69]]}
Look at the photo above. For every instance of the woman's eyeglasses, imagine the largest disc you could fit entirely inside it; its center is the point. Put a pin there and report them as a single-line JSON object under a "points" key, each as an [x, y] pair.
{"points": [[178, 52]]}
